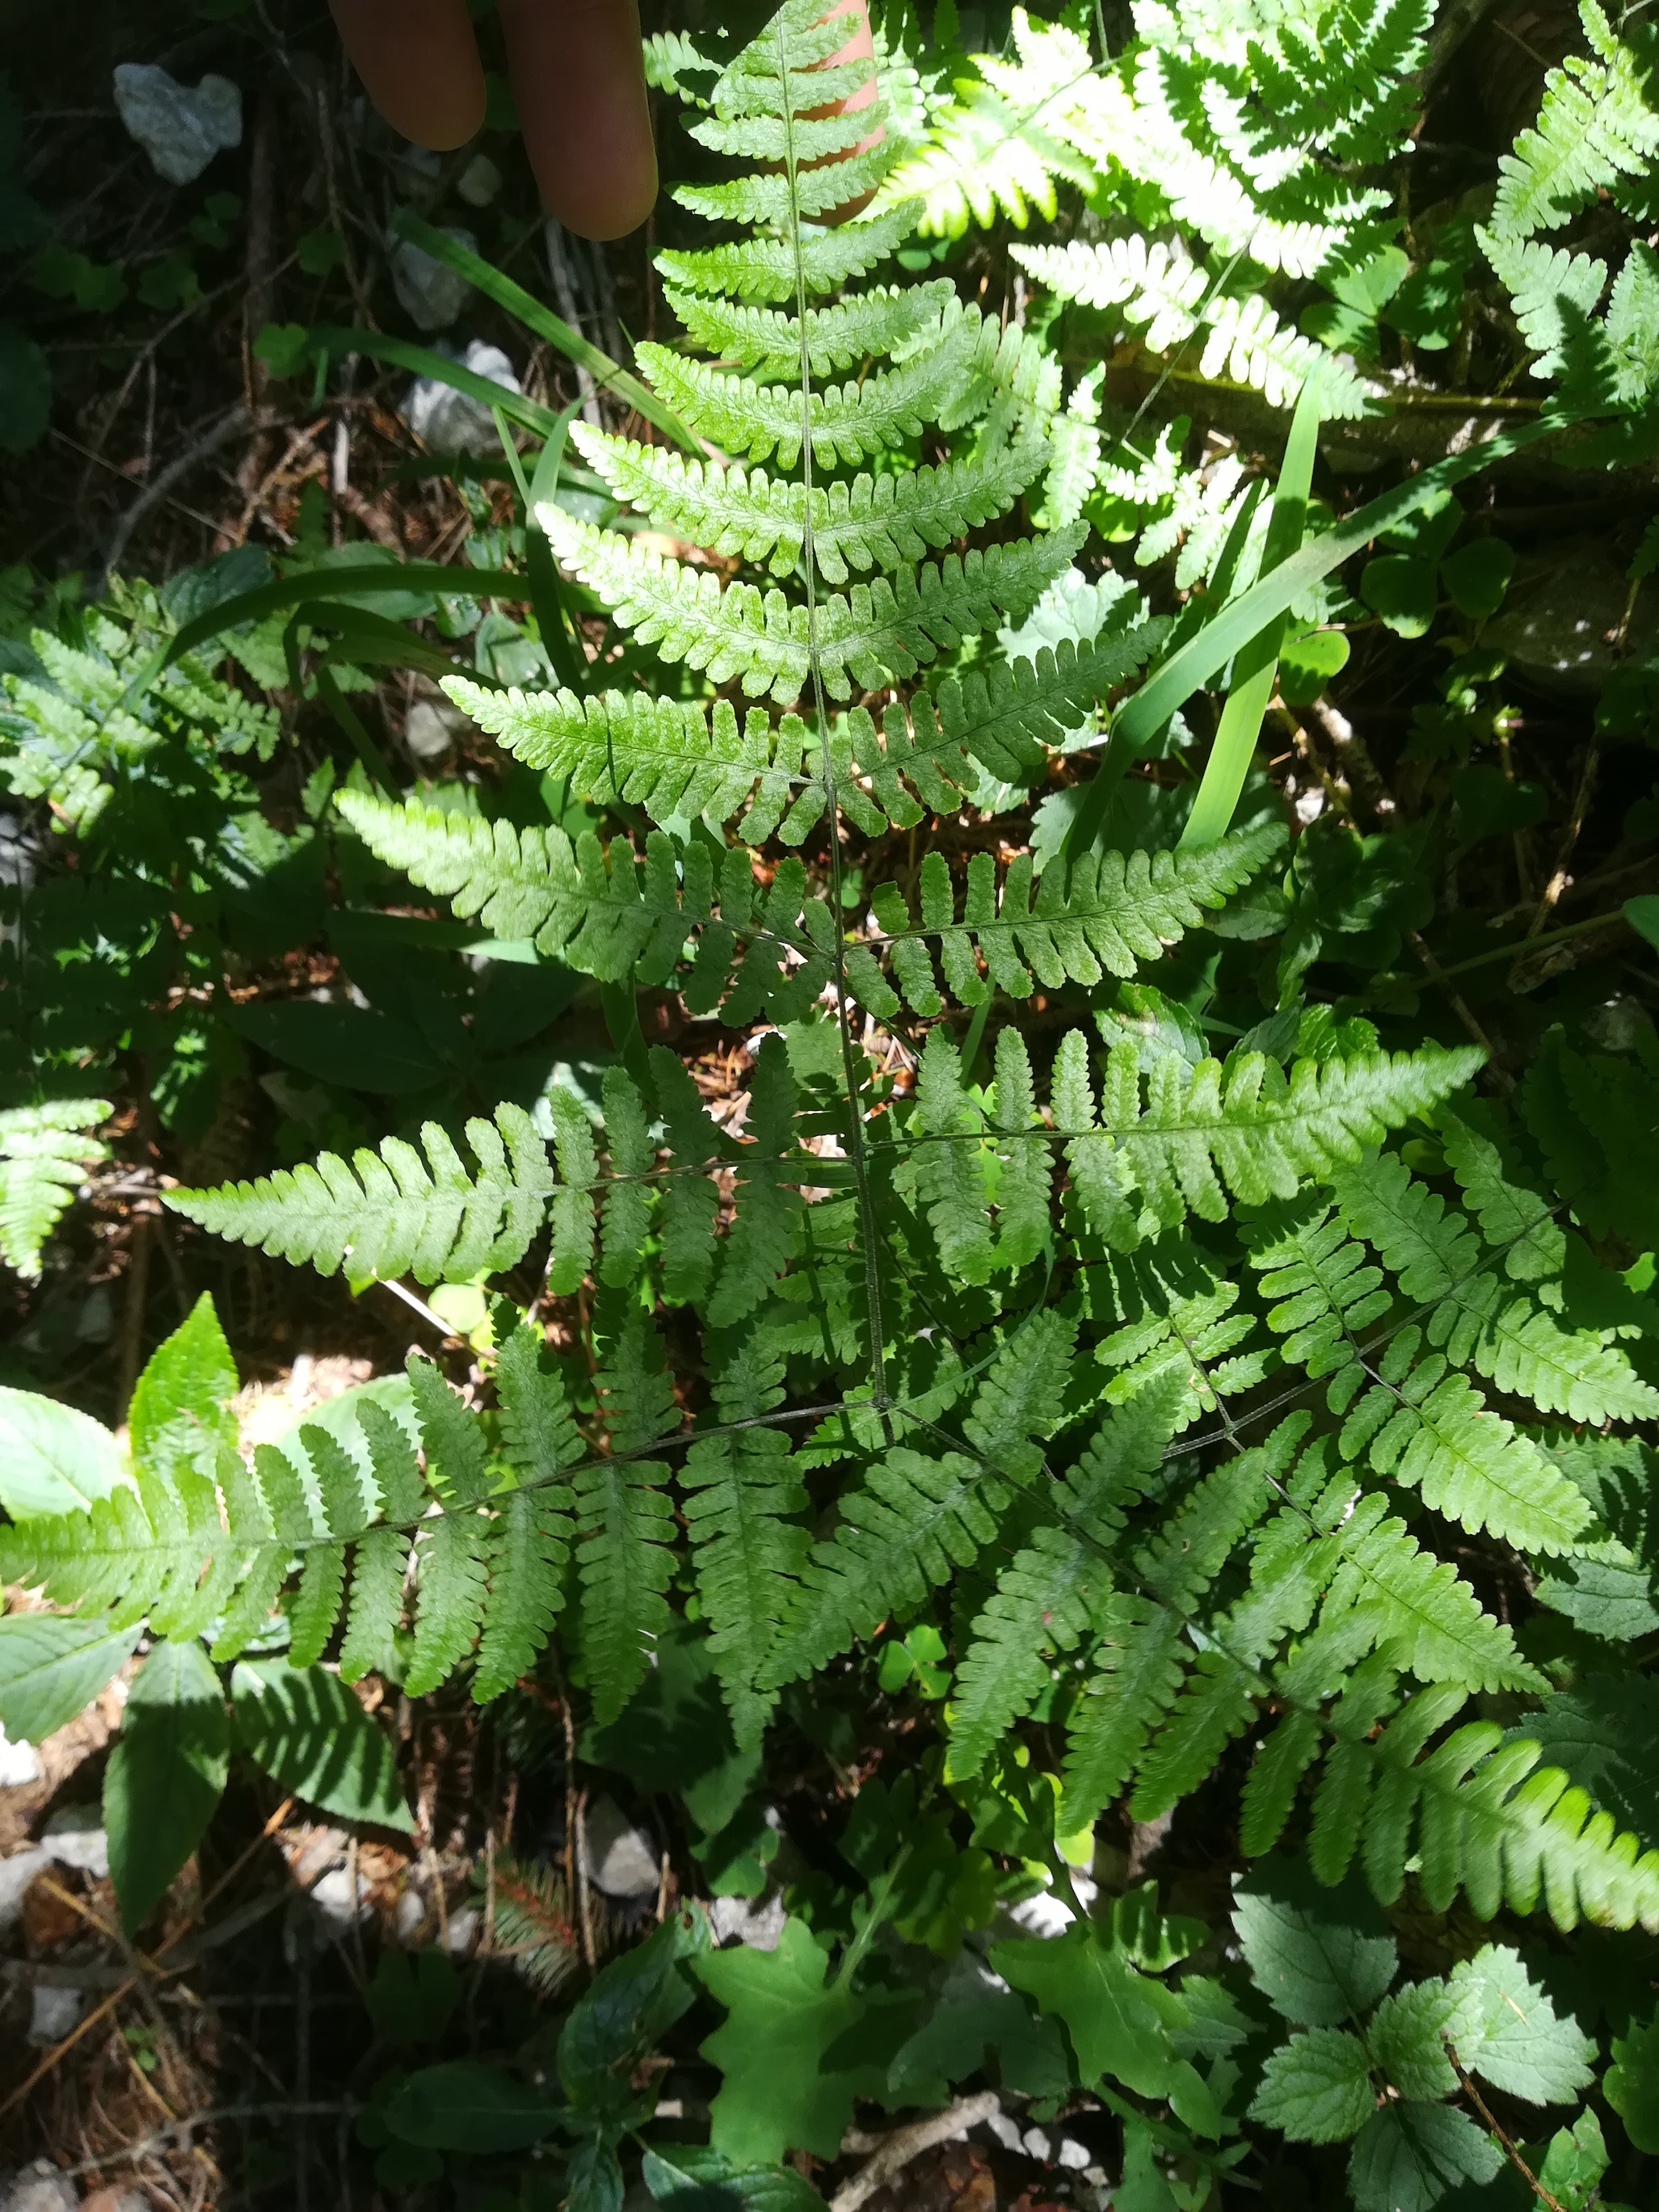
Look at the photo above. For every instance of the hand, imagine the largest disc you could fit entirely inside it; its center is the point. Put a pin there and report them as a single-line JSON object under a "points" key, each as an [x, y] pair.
{"points": [[578, 83]]}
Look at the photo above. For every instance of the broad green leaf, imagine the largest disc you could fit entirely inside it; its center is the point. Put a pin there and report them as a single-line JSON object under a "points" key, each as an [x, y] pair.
{"points": [[1631, 2084], [1307, 664], [1575, 2162], [1477, 576], [469, 2107], [165, 1775], [306, 1730], [177, 1408], [1642, 915], [1119, 2021], [593, 2175], [1317, 2088], [632, 2002], [1409, 2156], [1404, 2038], [695, 2179], [1509, 2032], [52, 1458], [1319, 1956], [51, 1667], [793, 2053], [1401, 590]]}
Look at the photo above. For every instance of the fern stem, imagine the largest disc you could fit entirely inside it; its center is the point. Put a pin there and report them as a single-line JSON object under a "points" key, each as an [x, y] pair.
{"points": [[809, 557]]}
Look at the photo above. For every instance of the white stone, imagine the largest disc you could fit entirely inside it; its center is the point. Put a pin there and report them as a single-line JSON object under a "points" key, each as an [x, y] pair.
{"points": [[432, 293], [1037, 2145], [74, 1838], [480, 182], [430, 730], [461, 1933], [621, 1860], [18, 1763], [180, 127], [52, 2013], [1072, 2154], [450, 421], [337, 1899], [1007, 2131], [409, 1915], [40, 2187], [756, 1921], [16, 1873]]}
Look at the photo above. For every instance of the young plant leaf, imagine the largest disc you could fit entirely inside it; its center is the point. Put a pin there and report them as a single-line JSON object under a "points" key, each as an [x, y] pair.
{"points": [[165, 1775]]}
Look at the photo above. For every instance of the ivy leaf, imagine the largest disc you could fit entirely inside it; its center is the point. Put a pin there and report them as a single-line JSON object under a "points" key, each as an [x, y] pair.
{"points": [[1119, 2021], [304, 1728], [1507, 2031], [1575, 2162], [166, 1774], [1400, 590], [53, 1459], [1631, 2084], [1316, 2087], [1319, 1956], [1408, 2156], [793, 2053], [178, 1402], [51, 1668]]}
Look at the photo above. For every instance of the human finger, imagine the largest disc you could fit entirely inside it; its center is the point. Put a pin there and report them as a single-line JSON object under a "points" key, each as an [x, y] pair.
{"points": [[419, 64], [579, 86]]}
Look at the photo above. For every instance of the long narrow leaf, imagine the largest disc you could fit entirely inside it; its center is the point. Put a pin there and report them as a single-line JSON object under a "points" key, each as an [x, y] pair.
{"points": [[1192, 665], [544, 323], [335, 340], [1257, 664]]}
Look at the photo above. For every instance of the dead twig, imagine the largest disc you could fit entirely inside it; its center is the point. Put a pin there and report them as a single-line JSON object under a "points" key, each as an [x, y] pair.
{"points": [[904, 2144], [1544, 2197]]}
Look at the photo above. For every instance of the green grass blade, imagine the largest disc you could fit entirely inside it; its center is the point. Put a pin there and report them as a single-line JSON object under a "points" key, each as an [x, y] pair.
{"points": [[335, 340], [1257, 664], [544, 323]]}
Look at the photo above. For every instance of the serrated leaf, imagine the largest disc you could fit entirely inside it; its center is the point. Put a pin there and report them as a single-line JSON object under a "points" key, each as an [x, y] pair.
{"points": [[178, 1402], [1119, 2021], [1319, 1956], [1407, 2157], [1507, 2031], [1316, 2087]]}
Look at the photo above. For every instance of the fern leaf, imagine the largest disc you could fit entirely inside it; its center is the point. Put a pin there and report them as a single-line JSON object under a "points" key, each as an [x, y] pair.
{"points": [[1595, 126], [451, 1563], [1139, 1665], [741, 1490], [1103, 916], [757, 1248], [765, 268], [44, 1153], [881, 631], [881, 320], [624, 1521], [393, 1213], [530, 1541]]}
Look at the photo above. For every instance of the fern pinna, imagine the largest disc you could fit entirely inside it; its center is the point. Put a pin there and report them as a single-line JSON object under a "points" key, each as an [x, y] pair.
{"points": [[1203, 1402]]}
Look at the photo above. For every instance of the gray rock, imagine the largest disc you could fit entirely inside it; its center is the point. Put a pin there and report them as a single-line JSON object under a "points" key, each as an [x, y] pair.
{"points": [[1076, 2157], [337, 1901], [429, 731], [756, 1921], [16, 1873], [461, 1932], [432, 295], [451, 421], [180, 127], [1563, 610], [39, 2188], [74, 1838], [480, 182], [621, 1860], [52, 2013]]}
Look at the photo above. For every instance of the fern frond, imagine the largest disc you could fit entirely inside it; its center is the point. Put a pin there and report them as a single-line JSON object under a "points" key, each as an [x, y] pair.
{"points": [[879, 321], [1553, 293], [882, 522], [1103, 916], [878, 632], [44, 1153], [741, 1490], [394, 1212], [530, 1540], [624, 1520], [1595, 126], [1138, 1670], [764, 269]]}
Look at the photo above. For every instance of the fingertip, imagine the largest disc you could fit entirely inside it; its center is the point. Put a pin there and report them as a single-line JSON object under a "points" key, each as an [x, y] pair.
{"points": [[579, 85], [419, 64]]}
